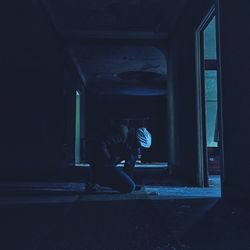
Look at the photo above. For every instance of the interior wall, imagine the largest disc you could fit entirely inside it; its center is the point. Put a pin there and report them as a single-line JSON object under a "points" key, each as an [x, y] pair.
{"points": [[235, 54], [31, 89], [73, 83], [181, 102], [69, 117]]}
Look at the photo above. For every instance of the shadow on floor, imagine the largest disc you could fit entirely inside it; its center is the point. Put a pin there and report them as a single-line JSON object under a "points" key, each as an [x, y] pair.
{"points": [[157, 218], [126, 224]]}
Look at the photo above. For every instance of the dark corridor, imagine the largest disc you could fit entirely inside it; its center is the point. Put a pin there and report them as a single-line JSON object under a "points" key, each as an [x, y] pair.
{"points": [[68, 70]]}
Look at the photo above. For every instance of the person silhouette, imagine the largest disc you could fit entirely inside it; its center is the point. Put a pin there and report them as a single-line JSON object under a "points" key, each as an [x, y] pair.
{"points": [[118, 143]]}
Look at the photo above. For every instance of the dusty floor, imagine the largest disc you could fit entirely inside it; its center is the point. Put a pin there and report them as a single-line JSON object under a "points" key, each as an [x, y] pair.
{"points": [[155, 218]]}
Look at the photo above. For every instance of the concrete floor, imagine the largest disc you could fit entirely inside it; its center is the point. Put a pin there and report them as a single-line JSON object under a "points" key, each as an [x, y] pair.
{"points": [[158, 218], [151, 192], [125, 224]]}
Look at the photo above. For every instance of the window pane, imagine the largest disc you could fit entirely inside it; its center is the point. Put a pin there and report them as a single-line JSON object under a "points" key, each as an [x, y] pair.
{"points": [[210, 41], [211, 107]]}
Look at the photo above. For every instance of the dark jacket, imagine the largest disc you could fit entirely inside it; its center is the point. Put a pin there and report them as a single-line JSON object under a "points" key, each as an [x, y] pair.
{"points": [[119, 143]]}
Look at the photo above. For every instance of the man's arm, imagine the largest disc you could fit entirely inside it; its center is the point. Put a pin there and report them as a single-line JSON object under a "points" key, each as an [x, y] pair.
{"points": [[130, 161]]}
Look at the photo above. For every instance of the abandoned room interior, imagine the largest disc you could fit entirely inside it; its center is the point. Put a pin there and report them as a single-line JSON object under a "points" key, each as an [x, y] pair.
{"points": [[72, 68]]}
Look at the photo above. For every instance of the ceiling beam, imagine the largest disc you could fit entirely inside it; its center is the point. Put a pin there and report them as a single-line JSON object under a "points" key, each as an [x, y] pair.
{"points": [[115, 35]]}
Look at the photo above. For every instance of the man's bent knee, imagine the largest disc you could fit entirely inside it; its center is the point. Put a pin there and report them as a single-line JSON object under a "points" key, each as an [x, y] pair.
{"points": [[128, 188]]}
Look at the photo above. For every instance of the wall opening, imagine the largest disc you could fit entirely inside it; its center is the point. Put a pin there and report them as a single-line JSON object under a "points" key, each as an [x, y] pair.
{"points": [[77, 127], [135, 112]]}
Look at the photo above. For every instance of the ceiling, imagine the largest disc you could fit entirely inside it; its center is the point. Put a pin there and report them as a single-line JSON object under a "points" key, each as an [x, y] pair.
{"points": [[110, 39], [105, 63]]}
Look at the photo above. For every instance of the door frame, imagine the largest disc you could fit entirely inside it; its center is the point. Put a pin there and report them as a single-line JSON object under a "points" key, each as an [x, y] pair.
{"points": [[202, 173]]}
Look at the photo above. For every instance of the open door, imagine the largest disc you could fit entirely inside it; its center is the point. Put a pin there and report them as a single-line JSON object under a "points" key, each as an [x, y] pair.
{"points": [[209, 115]]}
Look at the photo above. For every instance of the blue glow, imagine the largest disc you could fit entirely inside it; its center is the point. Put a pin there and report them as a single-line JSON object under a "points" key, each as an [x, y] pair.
{"points": [[210, 41]]}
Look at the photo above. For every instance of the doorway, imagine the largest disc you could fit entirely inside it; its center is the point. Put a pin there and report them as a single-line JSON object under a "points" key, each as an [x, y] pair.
{"points": [[208, 101]]}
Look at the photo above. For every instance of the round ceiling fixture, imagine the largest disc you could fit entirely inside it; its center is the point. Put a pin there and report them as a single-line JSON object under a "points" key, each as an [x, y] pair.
{"points": [[138, 75]]}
